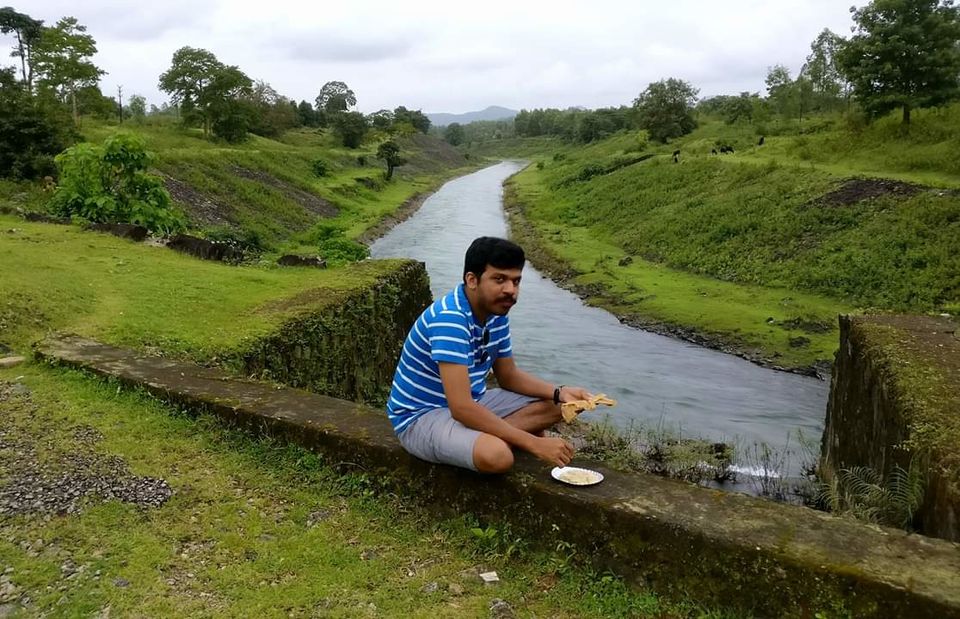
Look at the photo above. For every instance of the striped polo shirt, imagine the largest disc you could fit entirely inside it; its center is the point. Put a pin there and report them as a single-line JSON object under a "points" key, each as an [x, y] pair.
{"points": [[446, 331]]}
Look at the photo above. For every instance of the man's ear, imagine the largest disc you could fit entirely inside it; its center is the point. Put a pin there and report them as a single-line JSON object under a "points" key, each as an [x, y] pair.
{"points": [[471, 281]]}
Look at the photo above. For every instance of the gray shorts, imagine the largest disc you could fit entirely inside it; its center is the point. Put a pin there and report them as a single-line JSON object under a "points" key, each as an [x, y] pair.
{"points": [[437, 437]]}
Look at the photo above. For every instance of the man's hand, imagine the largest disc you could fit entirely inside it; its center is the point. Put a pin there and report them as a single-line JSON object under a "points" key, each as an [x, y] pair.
{"points": [[572, 394], [552, 450]]}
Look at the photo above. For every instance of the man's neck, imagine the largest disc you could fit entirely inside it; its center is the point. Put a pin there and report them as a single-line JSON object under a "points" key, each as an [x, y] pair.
{"points": [[473, 298]]}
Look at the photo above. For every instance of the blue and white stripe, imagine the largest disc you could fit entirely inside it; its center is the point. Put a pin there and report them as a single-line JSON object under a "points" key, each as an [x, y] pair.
{"points": [[445, 332]]}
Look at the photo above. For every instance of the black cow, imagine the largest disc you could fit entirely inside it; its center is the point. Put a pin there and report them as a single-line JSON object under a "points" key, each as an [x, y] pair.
{"points": [[676, 156], [760, 143]]}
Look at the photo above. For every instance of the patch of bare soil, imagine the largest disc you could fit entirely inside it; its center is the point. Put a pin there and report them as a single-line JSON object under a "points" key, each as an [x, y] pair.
{"points": [[199, 207], [429, 154], [858, 189], [314, 204]]}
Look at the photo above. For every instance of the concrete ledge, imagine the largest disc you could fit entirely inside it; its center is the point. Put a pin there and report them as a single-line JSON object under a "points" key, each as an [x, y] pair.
{"points": [[720, 548]]}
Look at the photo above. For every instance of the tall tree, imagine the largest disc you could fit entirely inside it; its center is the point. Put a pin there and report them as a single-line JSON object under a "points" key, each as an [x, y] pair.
{"points": [[27, 31], [335, 97], [137, 107], [665, 109], [826, 81], [781, 90], [31, 132], [903, 54], [62, 61], [204, 87]]}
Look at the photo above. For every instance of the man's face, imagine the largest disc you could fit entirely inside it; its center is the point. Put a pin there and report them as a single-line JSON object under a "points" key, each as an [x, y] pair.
{"points": [[498, 288]]}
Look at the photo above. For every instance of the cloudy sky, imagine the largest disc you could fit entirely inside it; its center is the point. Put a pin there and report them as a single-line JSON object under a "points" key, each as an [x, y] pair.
{"points": [[454, 56]]}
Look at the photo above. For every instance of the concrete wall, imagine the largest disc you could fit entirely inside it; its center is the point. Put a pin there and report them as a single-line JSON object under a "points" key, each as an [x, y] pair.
{"points": [[895, 397]]}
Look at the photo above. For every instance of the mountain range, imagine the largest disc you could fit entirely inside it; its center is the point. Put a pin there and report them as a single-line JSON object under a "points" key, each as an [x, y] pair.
{"points": [[493, 112]]}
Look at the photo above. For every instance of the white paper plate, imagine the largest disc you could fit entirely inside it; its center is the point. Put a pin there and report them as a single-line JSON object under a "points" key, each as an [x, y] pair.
{"points": [[569, 475]]}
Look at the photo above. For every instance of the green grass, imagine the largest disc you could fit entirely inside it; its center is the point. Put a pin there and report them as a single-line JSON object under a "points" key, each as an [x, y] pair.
{"points": [[64, 278], [721, 244], [257, 528], [267, 205]]}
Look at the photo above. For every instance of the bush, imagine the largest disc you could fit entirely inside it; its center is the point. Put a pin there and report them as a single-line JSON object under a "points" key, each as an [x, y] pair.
{"points": [[109, 183], [341, 250], [32, 131], [320, 167], [241, 238]]}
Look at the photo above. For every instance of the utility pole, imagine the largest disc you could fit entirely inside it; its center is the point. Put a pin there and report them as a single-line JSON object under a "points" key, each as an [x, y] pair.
{"points": [[120, 102]]}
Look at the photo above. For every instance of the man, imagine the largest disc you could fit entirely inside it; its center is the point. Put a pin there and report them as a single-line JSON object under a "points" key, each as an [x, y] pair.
{"points": [[439, 405]]}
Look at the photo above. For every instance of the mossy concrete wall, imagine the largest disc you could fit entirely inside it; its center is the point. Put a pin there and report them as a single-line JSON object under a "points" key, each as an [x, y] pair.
{"points": [[347, 348], [759, 557], [895, 397]]}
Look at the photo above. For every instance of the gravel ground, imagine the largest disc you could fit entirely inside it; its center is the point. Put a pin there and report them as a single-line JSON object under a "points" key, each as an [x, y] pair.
{"points": [[47, 474]]}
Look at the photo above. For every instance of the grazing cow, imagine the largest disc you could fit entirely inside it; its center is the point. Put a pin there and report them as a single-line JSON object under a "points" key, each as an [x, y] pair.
{"points": [[760, 143], [713, 151], [676, 156], [726, 149]]}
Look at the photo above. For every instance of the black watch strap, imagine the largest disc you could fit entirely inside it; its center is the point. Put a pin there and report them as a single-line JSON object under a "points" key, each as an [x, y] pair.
{"points": [[556, 394]]}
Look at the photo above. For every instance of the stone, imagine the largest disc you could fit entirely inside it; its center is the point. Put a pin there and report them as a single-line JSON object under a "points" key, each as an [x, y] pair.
{"points": [[204, 249], [121, 582], [626, 261], [430, 587], [125, 231], [489, 578], [454, 589], [500, 609], [10, 362], [292, 260]]}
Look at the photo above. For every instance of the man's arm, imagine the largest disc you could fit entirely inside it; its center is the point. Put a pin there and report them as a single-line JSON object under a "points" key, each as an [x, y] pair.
{"points": [[456, 387], [512, 378]]}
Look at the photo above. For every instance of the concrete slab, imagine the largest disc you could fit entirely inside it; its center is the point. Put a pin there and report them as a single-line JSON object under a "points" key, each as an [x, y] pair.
{"points": [[732, 550]]}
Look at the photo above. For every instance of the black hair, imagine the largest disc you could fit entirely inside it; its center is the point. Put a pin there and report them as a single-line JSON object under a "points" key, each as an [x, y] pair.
{"points": [[496, 252]]}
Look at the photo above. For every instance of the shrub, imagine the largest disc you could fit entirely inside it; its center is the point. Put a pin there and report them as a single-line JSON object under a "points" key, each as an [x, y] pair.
{"points": [[320, 167], [109, 183], [338, 250]]}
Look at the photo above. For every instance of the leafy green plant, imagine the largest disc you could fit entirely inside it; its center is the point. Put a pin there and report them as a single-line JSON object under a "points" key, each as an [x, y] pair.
{"points": [[320, 167], [109, 183], [862, 492]]}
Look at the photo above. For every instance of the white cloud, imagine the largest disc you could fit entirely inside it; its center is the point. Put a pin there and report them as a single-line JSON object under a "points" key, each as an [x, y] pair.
{"points": [[446, 56]]}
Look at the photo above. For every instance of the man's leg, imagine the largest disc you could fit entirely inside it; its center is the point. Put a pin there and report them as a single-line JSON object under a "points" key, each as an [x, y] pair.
{"points": [[535, 417], [492, 454]]}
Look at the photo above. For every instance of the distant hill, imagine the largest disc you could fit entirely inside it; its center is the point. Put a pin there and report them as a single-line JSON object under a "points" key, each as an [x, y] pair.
{"points": [[494, 112]]}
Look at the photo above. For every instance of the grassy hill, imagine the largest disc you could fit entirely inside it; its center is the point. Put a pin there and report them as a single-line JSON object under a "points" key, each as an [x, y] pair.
{"points": [[760, 249], [267, 191]]}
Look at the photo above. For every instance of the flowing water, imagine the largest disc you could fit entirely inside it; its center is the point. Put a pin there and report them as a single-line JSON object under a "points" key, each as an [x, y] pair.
{"points": [[656, 379]]}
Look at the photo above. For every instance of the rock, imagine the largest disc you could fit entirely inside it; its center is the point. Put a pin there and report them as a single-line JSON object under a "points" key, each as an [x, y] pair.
{"points": [[500, 609], [121, 582], [368, 555], [454, 589], [489, 578], [124, 231], [48, 219], [7, 610], [430, 587], [9, 362], [292, 260], [204, 249], [799, 342], [625, 261]]}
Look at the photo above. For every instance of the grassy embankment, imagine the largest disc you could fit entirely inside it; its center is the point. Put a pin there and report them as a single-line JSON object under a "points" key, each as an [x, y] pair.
{"points": [[252, 527], [267, 190], [720, 245]]}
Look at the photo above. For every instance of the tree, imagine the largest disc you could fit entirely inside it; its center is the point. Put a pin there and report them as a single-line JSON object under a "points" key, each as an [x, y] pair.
{"points": [[335, 97], [308, 117], [826, 82], [138, 107], [415, 118], [781, 90], [62, 61], [453, 133], [110, 183], [31, 131], [351, 127], [389, 151], [665, 109], [381, 119], [271, 112], [27, 31], [203, 88], [903, 54]]}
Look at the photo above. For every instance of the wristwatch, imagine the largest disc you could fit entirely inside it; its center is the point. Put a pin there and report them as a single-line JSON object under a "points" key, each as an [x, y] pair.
{"points": [[556, 394]]}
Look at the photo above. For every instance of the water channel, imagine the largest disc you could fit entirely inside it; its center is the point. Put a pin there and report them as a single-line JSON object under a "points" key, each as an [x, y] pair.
{"points": [[657, 380]]}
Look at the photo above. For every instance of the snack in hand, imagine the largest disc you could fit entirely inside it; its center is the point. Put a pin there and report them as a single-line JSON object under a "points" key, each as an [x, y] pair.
{"points": [[570, 410]]}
